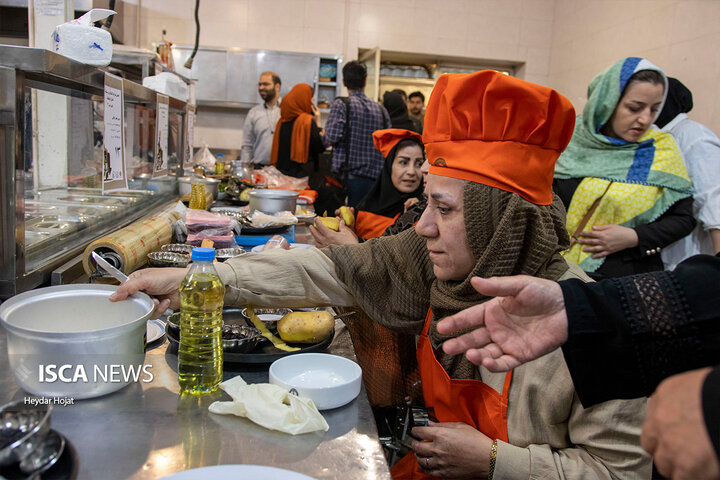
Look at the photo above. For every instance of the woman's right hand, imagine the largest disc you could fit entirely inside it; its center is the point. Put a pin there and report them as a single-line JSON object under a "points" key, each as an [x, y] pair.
{"points": [[324, 236], [162, 284]]}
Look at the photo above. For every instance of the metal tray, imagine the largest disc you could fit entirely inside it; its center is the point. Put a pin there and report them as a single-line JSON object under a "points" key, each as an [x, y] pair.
{"points": [[263, 353]]}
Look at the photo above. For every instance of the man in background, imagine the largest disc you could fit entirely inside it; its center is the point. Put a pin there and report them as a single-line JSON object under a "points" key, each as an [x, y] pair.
{"points": [[416, 107], [365, 116], [261, 120]]}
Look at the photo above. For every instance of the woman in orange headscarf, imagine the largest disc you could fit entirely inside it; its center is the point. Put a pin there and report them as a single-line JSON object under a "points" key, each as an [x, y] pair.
{"points": [[297, 135]]}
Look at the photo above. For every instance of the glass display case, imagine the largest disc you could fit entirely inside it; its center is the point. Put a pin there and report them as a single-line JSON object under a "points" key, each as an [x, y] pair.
{"points": [[51, 162]]}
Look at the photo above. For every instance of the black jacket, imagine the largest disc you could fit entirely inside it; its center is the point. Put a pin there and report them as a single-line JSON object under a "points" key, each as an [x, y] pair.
{"points": [[625, 335]]}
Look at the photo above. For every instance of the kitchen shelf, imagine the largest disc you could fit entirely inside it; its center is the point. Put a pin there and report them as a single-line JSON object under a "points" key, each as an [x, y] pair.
{"points": [[407, 80], [327, 84]]}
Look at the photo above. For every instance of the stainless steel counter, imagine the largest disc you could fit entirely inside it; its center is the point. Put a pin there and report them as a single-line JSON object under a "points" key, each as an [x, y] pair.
{"points": [[146, 430]]}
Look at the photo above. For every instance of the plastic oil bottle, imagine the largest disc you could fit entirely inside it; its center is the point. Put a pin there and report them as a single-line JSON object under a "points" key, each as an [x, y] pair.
{"points": [[200, 363], [220, 165], [197, 193]]}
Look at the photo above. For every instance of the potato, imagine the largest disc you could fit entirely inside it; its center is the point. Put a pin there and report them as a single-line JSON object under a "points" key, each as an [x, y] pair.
{"points": [[331, 222], [347, 215], [306, 327]]}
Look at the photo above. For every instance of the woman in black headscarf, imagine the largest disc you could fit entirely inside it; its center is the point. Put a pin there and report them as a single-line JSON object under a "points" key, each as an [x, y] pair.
{"points": [[399, 181], [397, 108]]}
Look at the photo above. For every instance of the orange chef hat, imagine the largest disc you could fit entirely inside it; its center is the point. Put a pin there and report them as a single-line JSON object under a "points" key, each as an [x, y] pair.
{"points": [[493, 129], [385, 140]]}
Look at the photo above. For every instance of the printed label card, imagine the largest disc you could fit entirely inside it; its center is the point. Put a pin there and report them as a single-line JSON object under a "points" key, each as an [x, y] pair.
{"points": [[113, 170]]}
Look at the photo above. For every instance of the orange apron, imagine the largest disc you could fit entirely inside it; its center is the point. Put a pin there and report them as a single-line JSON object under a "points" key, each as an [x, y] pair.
{"points": [[371, 225], [454, 400]]}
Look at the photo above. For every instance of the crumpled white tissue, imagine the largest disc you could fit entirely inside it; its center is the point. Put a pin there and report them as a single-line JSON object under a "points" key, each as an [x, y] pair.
{"points": [[270, 406]]}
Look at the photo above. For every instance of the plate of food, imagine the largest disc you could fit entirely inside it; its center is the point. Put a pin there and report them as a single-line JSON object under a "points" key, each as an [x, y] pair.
{"points": [[251, 346]]}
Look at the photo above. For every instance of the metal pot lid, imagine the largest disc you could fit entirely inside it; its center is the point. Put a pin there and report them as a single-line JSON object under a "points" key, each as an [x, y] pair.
{"points": [[204, 180], [73, 310]]}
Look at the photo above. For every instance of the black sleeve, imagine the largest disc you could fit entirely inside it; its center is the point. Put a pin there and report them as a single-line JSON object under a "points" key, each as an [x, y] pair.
{"points": [[628, 334], [711, 407], [565, 189], [316, 143], [677, 222]]}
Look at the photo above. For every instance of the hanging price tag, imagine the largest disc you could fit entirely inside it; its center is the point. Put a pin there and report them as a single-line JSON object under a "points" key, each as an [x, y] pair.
{"points": [[189, 132], [113, 176], [160, 166]]}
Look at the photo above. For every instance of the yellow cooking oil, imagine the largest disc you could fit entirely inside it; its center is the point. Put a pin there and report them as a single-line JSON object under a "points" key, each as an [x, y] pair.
{"points": [[197, 196], [200, 362]]}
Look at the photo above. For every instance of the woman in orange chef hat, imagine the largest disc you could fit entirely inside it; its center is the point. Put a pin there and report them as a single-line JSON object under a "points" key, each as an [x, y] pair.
{"points": [[399, 187], [492, 141]]}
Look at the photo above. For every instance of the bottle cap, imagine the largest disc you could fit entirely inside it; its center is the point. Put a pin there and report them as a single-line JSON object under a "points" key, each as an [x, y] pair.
{"points": [[219, 155], [202, 253]]}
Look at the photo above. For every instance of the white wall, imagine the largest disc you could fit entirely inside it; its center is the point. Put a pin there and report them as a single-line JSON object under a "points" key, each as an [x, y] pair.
{"points": [[680, 36], [517, 31], [560, 43], [509, 30]]}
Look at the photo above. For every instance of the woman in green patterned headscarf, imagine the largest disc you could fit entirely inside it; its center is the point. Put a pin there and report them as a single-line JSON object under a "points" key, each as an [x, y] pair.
{"points": [[624, 184]]}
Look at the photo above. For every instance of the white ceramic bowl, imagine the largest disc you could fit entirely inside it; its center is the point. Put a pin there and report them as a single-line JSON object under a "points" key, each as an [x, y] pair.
{"points": [[57, 334], [328, 380]]}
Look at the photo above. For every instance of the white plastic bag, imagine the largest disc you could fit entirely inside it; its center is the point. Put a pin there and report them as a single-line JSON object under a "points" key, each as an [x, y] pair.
{"points": [[80, 40], [204, 158], [167, 83]]}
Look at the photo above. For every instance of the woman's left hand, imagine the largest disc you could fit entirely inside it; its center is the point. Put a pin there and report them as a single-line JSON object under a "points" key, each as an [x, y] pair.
{"points": [[603, 240], [452, 450]]}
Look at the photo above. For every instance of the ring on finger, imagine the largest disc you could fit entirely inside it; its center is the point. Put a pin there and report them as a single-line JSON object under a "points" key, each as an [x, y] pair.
{"points": [[427, 462]]}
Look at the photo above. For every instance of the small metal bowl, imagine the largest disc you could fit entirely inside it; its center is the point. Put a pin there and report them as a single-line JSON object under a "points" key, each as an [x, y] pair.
{"points": [[22, 429], [168, 259], [269, 316], [44, 456], [225, 253], [229, 212], [240, 338], [183, 248], [173, 324]]}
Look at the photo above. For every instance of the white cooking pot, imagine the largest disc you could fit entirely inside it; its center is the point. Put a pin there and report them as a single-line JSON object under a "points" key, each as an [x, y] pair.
{"points": [[71, 341]]}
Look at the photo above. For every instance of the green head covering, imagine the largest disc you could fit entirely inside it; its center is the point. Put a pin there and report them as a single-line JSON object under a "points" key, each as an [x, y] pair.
{"points": [[649, 174], [592, 154]]}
